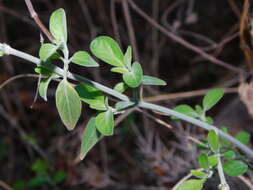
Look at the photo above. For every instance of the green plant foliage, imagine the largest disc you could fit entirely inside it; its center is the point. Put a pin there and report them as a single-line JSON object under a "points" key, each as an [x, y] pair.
{"points": [[185, 109], [43, 71], [43, 86], [1, 54], [121, 87], [243, 137], [134, 77], [38, 181], [203, 161], [212, 98], [91, 96], [213, 160], [59, 177], [122, 105], [108, 50], [198, 174], [128, 58], [68, 104], [89, 138], [229, 154], [105, 122], [119, 70], [84, 59], [148, 80], [192, 184], [40, 167], [235, 167], [58, 26], [199, 109], [20, 185], [47, 51], [213, 141]]}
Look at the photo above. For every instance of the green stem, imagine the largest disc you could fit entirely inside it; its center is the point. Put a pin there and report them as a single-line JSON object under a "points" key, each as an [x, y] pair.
{"points": [[223, 185], [11, 51]]}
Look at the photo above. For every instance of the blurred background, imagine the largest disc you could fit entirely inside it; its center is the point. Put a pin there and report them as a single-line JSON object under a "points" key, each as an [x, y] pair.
{"points": [[191, 44]]}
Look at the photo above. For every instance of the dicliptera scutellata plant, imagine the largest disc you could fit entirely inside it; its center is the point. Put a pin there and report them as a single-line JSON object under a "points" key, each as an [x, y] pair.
{"points": [[220, 148]]}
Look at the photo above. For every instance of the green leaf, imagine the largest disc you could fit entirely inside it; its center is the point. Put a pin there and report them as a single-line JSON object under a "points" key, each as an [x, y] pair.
{"points": [[192, 184], [213, 160], [1, 53], [185, 109], [243, 137], [119, 70], [199, 109], [38, 181], [40, 167], [20, 185], [124, 105], [43, 86], [213, 141], [91, 96], [212, 98], [105, 123], [148, 80], [46, 51], [209, 120], [198, 174], [68, 104], [108, 50], [59, 177], [134, 77], [89, 138], [128, 58], [84, 59], [235, 167], [229, 154], [43, 71], [120, 87], [58, 25], [203, 161]]}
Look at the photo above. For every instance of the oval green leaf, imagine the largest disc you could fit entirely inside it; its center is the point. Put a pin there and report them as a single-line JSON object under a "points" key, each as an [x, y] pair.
{"points": [[128, 58], [1, 53], [185, 109], [192, 184], [84, 59], [243, 137], [89, 138], [58, 25], [91, 96], [68, 104], [203, 161], [105, 123], [235, 167], [213, 141], [211, 98], [148, 80], [134, 77], [121, 87], [108, 50], [43, 86], [46, 51]]}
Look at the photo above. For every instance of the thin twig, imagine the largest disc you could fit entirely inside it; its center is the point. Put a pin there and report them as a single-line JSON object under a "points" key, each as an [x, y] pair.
{"points": [[180, 95], [37, 20], [130, 28], [5, 185], [17, 77], [183, 42]]}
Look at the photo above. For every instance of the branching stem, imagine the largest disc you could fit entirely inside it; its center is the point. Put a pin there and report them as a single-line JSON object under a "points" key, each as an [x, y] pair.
{"points": [[11, 51]]}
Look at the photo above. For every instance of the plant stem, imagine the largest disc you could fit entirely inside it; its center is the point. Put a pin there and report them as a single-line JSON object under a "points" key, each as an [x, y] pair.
{"points": [[6, 49], [223, 185]]}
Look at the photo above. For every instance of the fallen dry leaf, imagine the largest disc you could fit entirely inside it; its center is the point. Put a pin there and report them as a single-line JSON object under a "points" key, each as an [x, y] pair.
{"points": [[245, 91]]}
